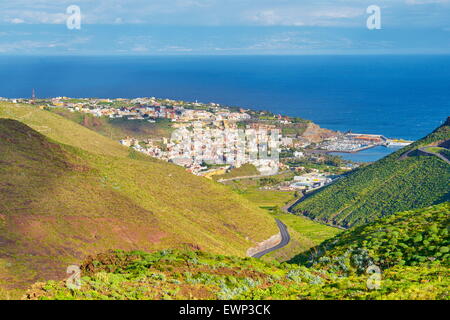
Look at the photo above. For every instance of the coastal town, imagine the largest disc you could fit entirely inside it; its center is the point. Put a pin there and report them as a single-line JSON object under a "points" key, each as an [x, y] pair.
{"points": [[209, 139]]}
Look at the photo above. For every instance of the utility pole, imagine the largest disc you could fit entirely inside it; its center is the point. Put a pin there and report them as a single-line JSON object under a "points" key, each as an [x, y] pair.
{"points": [[33, 96]]}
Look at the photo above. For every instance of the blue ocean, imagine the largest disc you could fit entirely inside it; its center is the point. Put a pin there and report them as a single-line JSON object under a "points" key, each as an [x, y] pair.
{"points": [[397, 96]]}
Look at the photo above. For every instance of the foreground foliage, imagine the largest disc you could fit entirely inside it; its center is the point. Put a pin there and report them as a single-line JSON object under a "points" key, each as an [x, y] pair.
{"points": [[408, 238], [198, 275], [409, 251]]}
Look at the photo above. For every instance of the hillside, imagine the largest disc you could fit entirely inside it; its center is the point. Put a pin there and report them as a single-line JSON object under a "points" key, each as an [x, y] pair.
{"points": [[411, 249], [118, 129], [305, 233], [184, 275], [406, 179], [315, 133], [406, 238], [66, 192]]}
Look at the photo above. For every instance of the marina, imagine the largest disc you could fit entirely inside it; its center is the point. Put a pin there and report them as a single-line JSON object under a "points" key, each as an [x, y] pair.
{"points": [[367, 155]]}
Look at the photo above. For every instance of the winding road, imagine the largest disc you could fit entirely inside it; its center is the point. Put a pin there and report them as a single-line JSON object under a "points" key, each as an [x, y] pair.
{"points": [[440, 156], [425, 151], [285, 238]]}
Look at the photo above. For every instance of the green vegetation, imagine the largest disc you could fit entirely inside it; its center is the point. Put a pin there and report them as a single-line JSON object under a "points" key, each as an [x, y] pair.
{"points": [[67, 192], [295, 129], [407, 238], [304, 232], [242, 185], [73, 100], [410, 248], [434, 149], [401, 181], [445, 153], [172, 274], [119, 128], [439, 150], [326, 163], [273, 201], [314, 231], [61, 130], [266, 198], [243, 171]]}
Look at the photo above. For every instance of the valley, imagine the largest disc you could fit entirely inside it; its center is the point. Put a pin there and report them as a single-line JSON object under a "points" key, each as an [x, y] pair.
{"points": [[143, 228]]}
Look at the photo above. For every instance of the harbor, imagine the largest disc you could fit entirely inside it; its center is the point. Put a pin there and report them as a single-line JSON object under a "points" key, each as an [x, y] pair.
{"points": [[368, 154], [359, 147]]}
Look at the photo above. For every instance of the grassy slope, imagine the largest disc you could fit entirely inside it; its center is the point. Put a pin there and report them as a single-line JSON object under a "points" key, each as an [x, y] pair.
{"points": [[80, 193], [411, 248], [117, 129], [405, 238], [243, 171], [304, 232], [390, 185], [62, 130], [198, 275]]}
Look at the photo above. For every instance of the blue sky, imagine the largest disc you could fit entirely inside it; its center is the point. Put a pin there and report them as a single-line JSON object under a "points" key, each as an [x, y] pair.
{"points": [[149, 27]]}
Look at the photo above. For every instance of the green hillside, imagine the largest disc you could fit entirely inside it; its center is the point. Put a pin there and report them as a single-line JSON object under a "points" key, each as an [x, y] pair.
{"points": [[61, 130], [184, 275], [404, 180], [411, 249], [66, 192], [120, 128], [407, 238], [305, 233]]}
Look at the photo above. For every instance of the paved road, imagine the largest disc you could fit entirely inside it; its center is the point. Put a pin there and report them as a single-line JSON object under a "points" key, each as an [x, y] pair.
{"points": [[290, 205], [285, 238], [423, 149], [440, 156], [251, 177]]}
